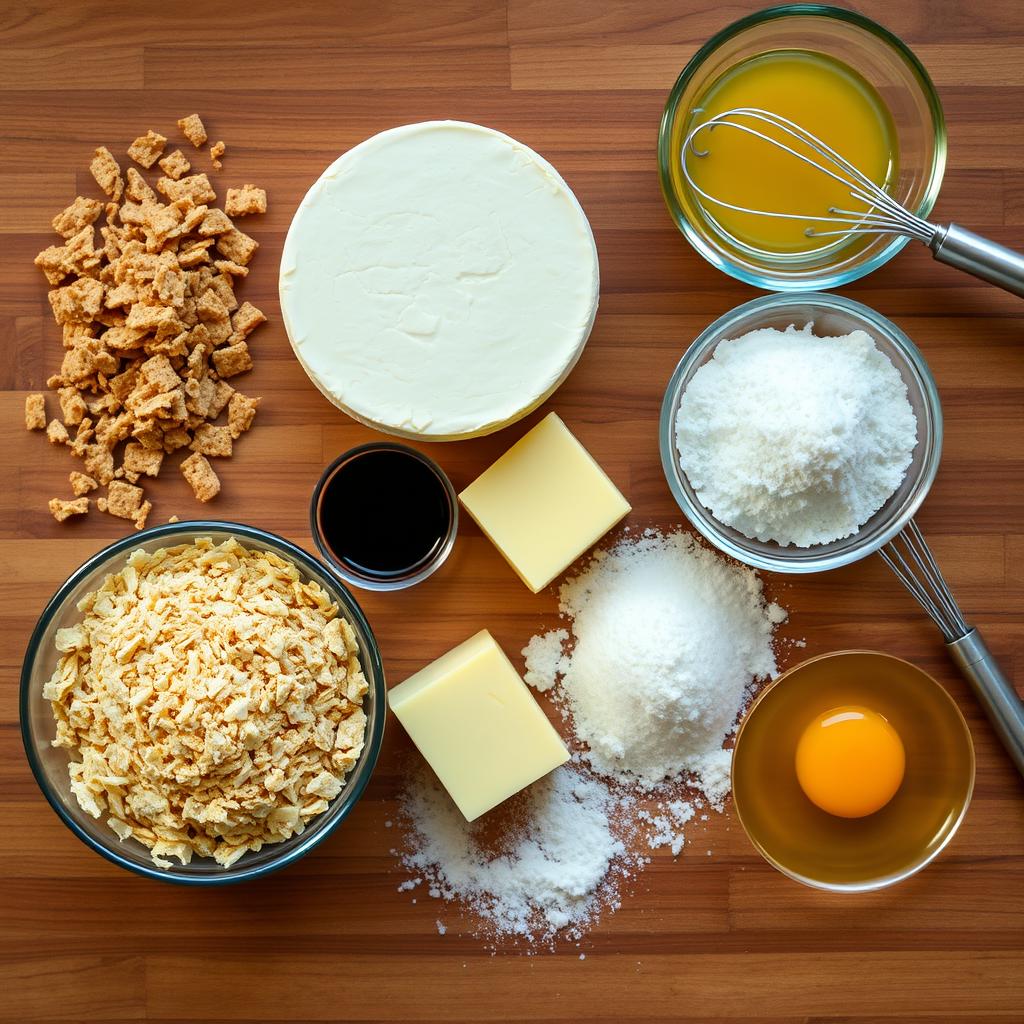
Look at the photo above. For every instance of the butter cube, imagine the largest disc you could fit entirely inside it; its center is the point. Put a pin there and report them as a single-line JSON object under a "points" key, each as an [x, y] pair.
{"points": [[477, 724], [544, 502]]}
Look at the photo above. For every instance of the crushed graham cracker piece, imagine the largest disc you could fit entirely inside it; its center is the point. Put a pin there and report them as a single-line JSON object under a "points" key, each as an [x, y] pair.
{"points": [[241, 413], [142, 515], [195, 188], [107, 172], [201, 478], [216, 222], [248, 199], [137, 189], [217, 150], [57, 433], [146, 149], [80, 214], [81, 483], [193, 129], [175, 165], [142, 461], [61, 510], [123, 500], [247, 319], [35, 412], [237, 246], [232, 360], [212, 440], [72, 405]]}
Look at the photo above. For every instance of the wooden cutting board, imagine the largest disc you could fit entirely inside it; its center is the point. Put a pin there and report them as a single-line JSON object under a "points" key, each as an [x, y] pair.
{"points": [[289, 87]]}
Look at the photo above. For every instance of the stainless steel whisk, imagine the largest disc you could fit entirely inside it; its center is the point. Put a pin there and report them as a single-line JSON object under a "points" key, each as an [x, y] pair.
{"points": [[910, 558], [949, 243]]}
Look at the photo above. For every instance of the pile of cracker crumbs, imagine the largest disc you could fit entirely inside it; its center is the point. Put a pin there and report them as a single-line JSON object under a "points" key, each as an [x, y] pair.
{"points": [[151, 327], [212, 698]]}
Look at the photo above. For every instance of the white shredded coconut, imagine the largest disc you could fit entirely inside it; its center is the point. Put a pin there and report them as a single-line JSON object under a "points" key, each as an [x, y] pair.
{"points": [[796, 439]]}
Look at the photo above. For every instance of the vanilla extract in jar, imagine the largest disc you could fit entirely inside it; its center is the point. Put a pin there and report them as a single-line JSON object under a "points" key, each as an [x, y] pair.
{"points": [[384, 515]]}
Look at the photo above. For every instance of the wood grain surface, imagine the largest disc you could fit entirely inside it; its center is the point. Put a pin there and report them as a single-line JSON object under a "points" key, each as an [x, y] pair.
{"points": [[289, 86]]}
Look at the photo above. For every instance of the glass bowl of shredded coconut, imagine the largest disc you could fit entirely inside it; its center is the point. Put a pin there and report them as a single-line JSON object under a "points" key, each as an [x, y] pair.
{"points": [[801, 432], [202, 702]]}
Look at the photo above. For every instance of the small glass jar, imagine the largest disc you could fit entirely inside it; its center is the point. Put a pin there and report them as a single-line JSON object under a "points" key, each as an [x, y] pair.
{"points": [[368, 578]]}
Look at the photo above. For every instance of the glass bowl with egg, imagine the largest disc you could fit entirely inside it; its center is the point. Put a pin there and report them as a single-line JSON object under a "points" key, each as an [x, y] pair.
{"points": [[852, 771], [50, 763], [831, 316], [842, 77]]}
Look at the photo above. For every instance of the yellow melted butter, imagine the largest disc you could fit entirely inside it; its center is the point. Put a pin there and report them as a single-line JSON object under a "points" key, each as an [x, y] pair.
{"points": [[817, 92]]}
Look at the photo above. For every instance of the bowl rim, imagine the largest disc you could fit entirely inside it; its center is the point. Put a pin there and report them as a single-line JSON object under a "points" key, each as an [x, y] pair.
{"points": [[304, 560], [887, 880], [826, 279], [702, 519]]}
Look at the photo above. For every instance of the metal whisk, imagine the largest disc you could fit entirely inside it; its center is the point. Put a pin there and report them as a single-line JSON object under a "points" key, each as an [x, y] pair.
{"points": [[910, 558], [949, 243]]}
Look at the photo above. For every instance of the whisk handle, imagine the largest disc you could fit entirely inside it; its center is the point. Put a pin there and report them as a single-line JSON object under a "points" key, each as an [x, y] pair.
{"points": [[979, 256], [994, 692]]}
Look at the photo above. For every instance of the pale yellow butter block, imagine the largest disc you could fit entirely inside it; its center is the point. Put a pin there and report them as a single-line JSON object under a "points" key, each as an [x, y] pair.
{"points": [[477, 724], [544, 502]]}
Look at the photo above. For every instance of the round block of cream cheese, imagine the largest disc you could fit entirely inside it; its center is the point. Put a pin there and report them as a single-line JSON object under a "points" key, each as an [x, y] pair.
{"points": [[439, 281]]}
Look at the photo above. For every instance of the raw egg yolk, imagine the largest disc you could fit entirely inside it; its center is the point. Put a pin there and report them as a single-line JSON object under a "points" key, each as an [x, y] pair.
{"points": [[850, 761]]}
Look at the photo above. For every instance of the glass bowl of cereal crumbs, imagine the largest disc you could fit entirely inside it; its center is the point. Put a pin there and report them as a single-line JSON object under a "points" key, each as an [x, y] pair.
{"points": [[202, 702]]}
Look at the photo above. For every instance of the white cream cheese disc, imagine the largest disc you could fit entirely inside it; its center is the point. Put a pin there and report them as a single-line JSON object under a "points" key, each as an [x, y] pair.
{"points": [[439, 280]]}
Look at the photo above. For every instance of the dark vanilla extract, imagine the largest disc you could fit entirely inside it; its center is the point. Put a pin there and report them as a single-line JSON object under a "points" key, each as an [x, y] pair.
{"points": [[384, 513]]}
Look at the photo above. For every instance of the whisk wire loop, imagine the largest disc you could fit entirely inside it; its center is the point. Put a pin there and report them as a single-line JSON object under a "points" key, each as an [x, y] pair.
{"points": [[910, 558], [884, 215]]}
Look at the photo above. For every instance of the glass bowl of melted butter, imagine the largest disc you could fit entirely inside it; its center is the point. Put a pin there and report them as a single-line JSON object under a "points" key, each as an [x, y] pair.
{"points": [[841, 77]]}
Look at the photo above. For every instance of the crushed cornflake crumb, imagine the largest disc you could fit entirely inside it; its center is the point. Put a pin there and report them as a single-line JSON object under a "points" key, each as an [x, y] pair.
{"points": [[210, 700], [150, 325]]}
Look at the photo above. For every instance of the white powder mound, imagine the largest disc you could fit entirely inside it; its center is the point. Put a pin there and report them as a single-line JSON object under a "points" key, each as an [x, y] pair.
{"points": [[796, 439], [552, 870], [668, 639]]}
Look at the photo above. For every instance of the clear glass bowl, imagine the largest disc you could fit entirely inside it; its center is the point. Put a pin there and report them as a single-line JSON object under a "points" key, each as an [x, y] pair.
{"points": [[399, 581], [899, 839], [831, 315], [49, 764], [886, 63]]}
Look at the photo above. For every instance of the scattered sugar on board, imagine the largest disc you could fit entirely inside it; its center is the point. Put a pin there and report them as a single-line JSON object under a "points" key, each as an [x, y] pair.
{"points": [[553, 869], [796, 439]]}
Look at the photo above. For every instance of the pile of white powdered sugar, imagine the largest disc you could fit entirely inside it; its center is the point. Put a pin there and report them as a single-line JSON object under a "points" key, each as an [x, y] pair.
{"points": [[796, 439], [667, 640]]}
